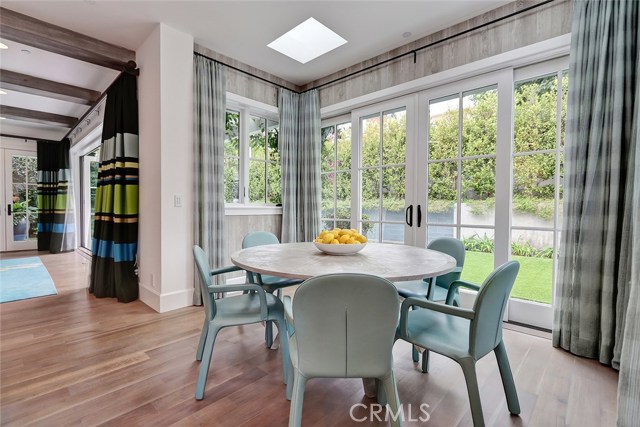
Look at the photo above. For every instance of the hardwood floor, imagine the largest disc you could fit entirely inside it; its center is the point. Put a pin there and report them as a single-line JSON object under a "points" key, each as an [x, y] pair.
{"points": [[72, 359]]}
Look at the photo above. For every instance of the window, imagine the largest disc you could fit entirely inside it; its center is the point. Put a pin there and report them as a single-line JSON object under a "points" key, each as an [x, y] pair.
{"points": [[252, 171], [336, 176]]}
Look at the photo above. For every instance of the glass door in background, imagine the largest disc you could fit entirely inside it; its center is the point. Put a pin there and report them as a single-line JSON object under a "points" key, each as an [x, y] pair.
{"points": [[383, 132], [21, 200], [89, 175]]}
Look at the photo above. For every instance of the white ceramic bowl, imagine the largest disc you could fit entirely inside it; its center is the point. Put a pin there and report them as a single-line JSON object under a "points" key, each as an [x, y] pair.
{"points": [[339, 249]]}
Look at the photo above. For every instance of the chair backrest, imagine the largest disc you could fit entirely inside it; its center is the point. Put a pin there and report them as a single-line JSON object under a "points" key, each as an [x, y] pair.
{"points": [[259, 238], [202, 264], [486, 327], [454, 248], [345, 325]]}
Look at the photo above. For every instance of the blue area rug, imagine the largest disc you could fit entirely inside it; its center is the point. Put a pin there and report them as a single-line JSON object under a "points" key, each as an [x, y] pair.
{"points": [[23, 278]]}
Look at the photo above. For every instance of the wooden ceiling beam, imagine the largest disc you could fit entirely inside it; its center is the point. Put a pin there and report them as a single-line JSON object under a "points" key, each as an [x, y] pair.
{"points": [[42, 35], [37, 86], [33, 116]]}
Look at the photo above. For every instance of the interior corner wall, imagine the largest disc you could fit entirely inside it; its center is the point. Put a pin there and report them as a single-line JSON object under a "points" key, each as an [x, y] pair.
{"points": [[165, 99]]}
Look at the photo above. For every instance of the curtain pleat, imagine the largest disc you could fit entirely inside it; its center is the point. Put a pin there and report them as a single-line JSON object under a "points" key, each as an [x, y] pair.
{"points": [[299, 144], [56, 219], [115, 234], [209, 134]]}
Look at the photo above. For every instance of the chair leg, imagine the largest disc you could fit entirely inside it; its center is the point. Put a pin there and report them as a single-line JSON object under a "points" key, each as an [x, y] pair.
{"points": [[212, 332], [381, 393], [415, 355], [507, 379], [284, 348], [425, 361], [469, 370], [393, 400], [268, 333], [203, 337], [297, 398]]}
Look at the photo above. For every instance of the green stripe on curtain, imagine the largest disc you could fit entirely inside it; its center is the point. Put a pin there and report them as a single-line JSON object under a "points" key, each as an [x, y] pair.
{"points": [[115, 234], [56, 221]]}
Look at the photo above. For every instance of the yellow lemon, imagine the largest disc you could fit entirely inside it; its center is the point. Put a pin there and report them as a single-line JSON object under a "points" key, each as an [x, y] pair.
{"points": [[362, 239], [335, 242], [344, 238]]}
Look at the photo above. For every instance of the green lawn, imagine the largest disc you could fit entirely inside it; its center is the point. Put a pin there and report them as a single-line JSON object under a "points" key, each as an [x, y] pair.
{"points": [[533, 282]]}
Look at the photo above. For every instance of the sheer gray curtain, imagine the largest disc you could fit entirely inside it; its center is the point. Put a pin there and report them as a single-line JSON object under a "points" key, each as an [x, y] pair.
{"points": [[209, 132], [299, 146], [597, 304]]}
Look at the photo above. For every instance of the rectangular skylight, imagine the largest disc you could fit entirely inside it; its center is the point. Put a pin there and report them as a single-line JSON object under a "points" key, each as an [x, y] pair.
{"points": [[307, 41]]}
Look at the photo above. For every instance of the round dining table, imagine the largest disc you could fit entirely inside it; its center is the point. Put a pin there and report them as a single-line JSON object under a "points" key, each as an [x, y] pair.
{"points": [[303, 260]]}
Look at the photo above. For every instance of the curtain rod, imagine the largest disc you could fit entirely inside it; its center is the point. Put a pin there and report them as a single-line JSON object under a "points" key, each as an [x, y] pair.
{"points": [[416, 50], [245, 72], [129, 68], [6, 135]]}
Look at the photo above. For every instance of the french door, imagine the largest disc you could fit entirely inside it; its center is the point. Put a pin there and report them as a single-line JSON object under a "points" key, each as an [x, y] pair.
{"points": [[479, 160], [21, 200]]}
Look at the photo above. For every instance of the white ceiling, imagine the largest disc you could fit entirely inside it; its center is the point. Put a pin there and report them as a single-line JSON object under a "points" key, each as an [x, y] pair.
{"points": [[237, 29]]}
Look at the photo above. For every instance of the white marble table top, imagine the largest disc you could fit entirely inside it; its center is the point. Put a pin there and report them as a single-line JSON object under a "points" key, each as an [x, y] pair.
{"points": [[304, 260]]}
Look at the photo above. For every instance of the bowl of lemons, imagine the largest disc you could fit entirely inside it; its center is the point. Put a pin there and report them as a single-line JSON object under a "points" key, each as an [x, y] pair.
{"points": [[340, 241]]}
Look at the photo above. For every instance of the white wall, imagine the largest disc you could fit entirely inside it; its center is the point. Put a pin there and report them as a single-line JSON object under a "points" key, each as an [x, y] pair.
{"points": [[165, 89]]}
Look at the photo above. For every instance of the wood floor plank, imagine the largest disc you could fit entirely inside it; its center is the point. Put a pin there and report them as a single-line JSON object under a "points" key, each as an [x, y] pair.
{"points": [[72, 359]]}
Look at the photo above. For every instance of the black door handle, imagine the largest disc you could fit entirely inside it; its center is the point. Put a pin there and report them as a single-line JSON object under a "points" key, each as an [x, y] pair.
{"points": [[9, 209], [419, 216], [408, 215]]}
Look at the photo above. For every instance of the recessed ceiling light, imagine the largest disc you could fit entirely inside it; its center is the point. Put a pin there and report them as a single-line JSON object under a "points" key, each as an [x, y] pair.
{"points": [[2, 92], [3, 46], [2, 118], [307, 41]]}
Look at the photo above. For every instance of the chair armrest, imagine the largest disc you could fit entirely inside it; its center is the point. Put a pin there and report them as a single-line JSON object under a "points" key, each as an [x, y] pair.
{"points": [[442, 308], [454, 288], [224, 270], [244, 287]]}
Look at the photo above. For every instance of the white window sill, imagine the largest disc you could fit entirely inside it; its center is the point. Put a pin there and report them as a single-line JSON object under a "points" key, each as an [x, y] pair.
{"points": [[252, 210]]}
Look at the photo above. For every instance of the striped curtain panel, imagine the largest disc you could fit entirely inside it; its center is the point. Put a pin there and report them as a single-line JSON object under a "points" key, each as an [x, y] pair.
{"points": [[597, 311], [299, 145], [115, 234], [56, 220], [209, 109]]}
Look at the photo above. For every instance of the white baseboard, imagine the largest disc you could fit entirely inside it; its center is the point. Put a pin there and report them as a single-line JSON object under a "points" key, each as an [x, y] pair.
{"points": [[165, 302]]}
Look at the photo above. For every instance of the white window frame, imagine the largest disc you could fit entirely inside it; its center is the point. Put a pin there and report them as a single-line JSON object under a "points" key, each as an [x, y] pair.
{"points": [[247, 107]]}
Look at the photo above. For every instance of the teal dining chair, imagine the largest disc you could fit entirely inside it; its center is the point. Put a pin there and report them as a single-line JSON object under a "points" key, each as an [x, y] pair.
{"points": [[271, 284], [342, 326], [466, 335], [436, 288], [252, 307]]}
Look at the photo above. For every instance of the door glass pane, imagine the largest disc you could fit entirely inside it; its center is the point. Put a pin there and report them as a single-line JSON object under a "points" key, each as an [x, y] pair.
{"points": [[394, 137], [232, 134], [257, 174], [328, 194], [370, 141], [442, 193], [343, 195], [534, 190], [534, 251], [478, 191], [343, 142], [479, 130], [479, 246], [371, 194], [443, 128], [393, 193], [328, 149], [535, 114], [371, 230], [392, 233], [436, 232], [24, 189]]}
